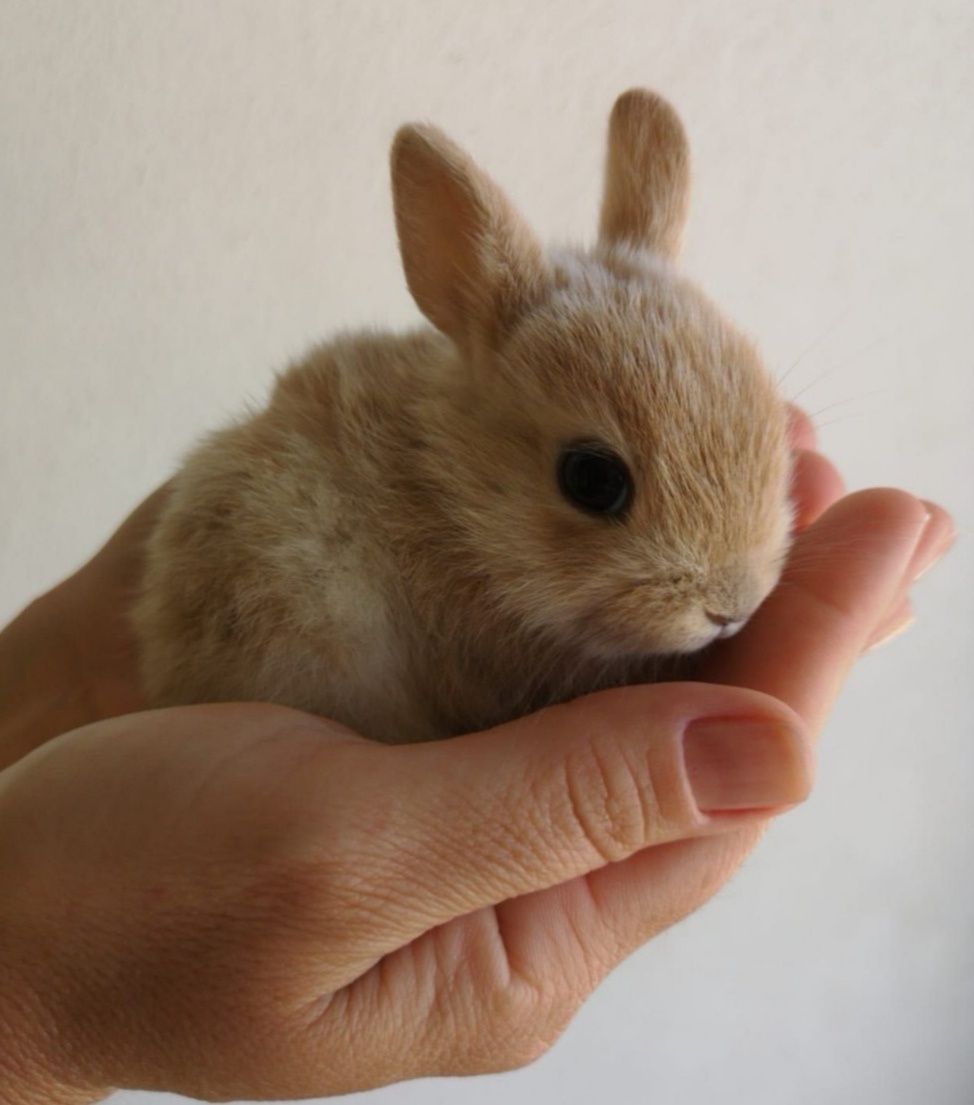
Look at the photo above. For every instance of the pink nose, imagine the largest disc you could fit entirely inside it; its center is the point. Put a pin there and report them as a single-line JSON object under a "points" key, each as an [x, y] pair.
{"points": [[727, 626], [721, 619]]}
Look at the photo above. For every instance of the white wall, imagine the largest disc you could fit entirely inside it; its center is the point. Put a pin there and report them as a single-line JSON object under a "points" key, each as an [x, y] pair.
{"points": [[191, 191]]}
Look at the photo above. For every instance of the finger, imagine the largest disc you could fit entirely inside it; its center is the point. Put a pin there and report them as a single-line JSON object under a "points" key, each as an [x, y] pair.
{"points": [[451, 1002], [577, 931], [844, 573], [812, 636], [816, 485], [580, 930], [120, 553], [803, 642], [500, 983], [896, 622], [801, 431], [560, 793], [938, 536]]}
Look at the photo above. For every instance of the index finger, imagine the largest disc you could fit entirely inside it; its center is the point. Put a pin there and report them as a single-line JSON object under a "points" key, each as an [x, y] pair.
{"points": [[843, 574], [801, 430]]}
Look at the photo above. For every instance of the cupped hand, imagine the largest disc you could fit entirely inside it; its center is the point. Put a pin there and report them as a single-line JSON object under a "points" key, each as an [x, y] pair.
{"points": [[244, 901]]}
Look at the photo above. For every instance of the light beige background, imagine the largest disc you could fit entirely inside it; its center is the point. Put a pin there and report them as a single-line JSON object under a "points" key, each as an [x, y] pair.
{"points": [[192, 191]]}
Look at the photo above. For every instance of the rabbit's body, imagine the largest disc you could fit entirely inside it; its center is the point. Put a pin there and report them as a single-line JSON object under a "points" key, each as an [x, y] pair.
{"points": [[315, 594], [412, 537]]}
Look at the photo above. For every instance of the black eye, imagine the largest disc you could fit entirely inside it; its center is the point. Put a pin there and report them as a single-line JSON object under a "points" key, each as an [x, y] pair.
{"points": [[594, 479]]}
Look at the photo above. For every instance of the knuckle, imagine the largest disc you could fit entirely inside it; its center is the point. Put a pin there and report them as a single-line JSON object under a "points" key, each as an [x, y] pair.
{"points": [[518, 1028], [522, 1034], [506, 1024], [609, 800], [518, 1053]]}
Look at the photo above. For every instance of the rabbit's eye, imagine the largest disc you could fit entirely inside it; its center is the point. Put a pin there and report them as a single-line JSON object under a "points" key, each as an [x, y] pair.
{"points": [[594, 479]]}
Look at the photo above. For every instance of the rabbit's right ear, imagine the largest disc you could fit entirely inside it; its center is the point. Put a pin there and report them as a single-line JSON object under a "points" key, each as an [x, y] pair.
{"points": [[471, 264], [647, 175]]}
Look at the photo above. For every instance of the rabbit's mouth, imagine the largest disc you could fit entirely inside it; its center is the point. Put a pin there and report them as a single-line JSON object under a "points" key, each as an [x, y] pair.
{"points": [[647, 620], [609, 635], [727, 625]]}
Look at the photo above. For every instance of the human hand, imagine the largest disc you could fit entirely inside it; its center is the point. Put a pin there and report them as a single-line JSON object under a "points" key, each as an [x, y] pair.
{"points": [[70, 657], [321, 914]]}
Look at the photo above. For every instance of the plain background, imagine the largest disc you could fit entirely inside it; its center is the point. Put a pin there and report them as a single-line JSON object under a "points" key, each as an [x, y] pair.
{"points": [[191, 192]]}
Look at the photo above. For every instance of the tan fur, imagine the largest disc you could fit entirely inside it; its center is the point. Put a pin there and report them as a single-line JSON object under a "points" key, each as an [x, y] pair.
{"points": [[386, 543], [647, 175]]}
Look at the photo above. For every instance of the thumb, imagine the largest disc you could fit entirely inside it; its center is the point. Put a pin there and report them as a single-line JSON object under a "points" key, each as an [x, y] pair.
{"points": [[483, 818]]}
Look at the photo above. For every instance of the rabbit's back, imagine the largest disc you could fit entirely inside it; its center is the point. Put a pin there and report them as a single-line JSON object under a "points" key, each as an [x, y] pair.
{"points": [[266, 578]]}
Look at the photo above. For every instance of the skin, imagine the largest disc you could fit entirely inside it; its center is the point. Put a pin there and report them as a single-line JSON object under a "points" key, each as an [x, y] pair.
{"points": [[243, 901]]}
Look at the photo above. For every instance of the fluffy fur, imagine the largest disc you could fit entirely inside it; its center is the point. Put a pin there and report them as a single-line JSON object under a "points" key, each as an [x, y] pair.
{"points": [[386, 543]]}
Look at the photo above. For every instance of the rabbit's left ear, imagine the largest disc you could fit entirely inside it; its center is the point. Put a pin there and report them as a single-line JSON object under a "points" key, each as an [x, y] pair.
{"points": [[471, 263], [647, 175]]}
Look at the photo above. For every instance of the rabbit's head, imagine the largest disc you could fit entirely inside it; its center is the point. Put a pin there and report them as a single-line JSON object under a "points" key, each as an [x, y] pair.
{"points": [[609, 446]]}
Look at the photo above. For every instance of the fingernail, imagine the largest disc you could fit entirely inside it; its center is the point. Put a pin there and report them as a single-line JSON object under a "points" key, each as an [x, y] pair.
{"points": [[744, 763], [934, 557], [931, 557], [900, 627]]}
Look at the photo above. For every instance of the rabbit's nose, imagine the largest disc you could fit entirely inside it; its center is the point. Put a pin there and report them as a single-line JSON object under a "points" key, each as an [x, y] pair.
{"points": [[721, 619], [729, 624]]}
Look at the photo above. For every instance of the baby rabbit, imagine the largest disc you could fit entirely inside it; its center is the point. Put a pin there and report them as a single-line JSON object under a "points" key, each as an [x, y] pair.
{"points": [[580, 470]]}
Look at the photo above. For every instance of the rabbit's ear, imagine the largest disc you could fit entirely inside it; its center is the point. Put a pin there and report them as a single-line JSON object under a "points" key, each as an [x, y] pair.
{"points": [[647, 175], [471, 264]]}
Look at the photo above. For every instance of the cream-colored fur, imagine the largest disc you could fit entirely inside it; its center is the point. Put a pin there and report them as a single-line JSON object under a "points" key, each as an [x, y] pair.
{"points": [[386, 544]]}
